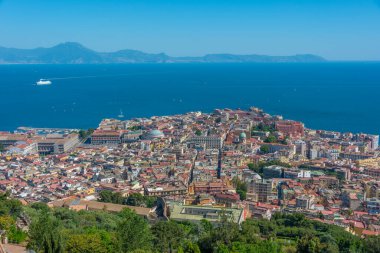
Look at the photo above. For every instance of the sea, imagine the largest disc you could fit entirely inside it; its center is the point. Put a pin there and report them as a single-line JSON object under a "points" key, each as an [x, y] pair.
{"points": [[339, 96]]}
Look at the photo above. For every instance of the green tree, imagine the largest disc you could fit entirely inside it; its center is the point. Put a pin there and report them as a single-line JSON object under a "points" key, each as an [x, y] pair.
{"points": [[111, 197], [83, 134], [330, 248], [284, 141], [189, 247], [308, 244], [2, 148], [271, 139], [136, 199], [198, 132], [134, 128], [264, 149], [6, 222], [254, 167], [58, 229], [16, 235], [241, 187], [221, 248], [289, 249], [372, 244], [9, 206], [167, 235], [250, 231], [263, 246], [329, 244], [259, 167], [207, 226], [133, 232], [263, 127], [45, 235], [39, 206], [85, 243], [225, 233]]}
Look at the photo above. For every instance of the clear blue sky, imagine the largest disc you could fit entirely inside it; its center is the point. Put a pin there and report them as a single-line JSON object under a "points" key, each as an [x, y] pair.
{"points": [[335, 29]]}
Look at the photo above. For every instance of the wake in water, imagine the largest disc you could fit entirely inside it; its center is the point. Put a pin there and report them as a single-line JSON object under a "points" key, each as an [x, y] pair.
{"points": [[100, 76]]}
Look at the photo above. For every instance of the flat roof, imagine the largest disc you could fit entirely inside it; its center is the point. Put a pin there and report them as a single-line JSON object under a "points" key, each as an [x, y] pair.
{"points": [[179, 212]]}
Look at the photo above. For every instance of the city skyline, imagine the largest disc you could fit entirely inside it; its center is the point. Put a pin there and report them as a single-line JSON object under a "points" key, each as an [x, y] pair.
{"points": [[336, 30], [190, 126]]}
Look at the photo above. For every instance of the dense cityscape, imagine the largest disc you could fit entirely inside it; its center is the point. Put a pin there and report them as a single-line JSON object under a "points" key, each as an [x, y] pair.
{"points": [[242, 165]]}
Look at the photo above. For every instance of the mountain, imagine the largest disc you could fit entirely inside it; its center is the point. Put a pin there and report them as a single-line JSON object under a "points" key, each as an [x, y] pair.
{"points": [[75, 53]]}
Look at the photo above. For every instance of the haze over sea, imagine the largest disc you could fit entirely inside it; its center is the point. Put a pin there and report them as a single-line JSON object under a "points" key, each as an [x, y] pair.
{"points": [[333, 96]]}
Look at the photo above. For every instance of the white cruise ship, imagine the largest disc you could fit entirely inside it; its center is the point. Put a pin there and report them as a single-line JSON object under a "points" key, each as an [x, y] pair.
{"points": [[43, 82]]}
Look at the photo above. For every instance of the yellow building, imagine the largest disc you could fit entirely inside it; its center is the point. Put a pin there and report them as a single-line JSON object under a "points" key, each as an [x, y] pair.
{"points": [[370, 162]]}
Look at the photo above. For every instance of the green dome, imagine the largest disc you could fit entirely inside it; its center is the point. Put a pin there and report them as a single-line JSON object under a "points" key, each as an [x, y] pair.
{"points": [[243, 135]]}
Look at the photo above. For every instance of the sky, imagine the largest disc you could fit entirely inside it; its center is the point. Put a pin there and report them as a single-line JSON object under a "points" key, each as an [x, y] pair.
{"points": [[334, 29]]}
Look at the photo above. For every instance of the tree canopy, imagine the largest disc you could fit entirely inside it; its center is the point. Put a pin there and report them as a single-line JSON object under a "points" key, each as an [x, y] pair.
{"points": [[63, 230]]}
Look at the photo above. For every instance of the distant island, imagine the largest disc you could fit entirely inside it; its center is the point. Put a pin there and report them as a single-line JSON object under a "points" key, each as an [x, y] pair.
{"points": [[75, 53]]}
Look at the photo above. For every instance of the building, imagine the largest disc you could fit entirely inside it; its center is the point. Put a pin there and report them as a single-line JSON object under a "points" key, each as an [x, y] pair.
{"points": [[208, 187], [208, 141], [373, 206], [227, 199], [105, 137], [219, 169], [131, 136], [261, 190], [329, 135], [260, 212], [355, 156], [343, 174], [371, 162], [276, 147], [313, 153], [273, 171], [153, 134], [57, 143], [373, 172], [8, 139], [290, 128], [372, 189], [374, 141], [328, 182], [301, 147], [351, 200], [23, 148], [296, 173], [305, 202], [194, 213], [165, 188]]}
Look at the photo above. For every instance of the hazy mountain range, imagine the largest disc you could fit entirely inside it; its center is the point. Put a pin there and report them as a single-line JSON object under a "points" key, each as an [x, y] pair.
{"points": [[75, 53]]}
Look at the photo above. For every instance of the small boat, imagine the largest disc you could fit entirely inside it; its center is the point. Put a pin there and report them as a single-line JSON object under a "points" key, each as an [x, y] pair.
{"points": [[43, 82], [121, 115]]}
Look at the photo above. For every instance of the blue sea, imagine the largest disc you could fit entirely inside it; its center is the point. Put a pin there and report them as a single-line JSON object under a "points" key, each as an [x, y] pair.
{"points": [[334, 96]]}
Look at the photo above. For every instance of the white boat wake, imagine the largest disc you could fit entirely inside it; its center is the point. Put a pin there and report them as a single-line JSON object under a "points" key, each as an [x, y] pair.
{"points": [[99, 76]]}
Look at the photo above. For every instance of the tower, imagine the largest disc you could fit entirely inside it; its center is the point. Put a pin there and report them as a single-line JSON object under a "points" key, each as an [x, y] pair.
{"points": [[219, 169]]}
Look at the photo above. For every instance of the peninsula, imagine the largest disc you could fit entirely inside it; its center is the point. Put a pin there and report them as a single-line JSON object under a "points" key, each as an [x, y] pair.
{"points": [[75, 53]]}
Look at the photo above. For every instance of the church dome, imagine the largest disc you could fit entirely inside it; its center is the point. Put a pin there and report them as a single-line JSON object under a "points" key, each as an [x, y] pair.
{"points": [[243, 135], [155, 133]]}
